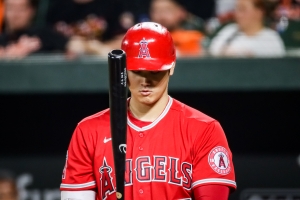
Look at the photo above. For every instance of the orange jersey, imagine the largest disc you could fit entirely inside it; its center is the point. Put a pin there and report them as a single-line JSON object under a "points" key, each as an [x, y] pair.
{"points": [[187, 42], [166, 159]]}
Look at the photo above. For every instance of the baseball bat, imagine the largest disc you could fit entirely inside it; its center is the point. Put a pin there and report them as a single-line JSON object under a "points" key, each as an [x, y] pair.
{"points": [[118, 114]]}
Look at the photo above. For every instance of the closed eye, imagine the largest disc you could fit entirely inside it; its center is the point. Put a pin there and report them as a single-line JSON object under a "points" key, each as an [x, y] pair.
{"points": [[136, 71], [154, 72]]}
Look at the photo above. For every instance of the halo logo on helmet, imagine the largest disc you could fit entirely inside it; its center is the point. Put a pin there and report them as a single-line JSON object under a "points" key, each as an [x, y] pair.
{"points": [[144, 51]]}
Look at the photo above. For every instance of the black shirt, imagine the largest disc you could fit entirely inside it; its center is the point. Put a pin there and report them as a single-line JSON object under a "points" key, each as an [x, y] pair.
{"points": [[71, 12]]}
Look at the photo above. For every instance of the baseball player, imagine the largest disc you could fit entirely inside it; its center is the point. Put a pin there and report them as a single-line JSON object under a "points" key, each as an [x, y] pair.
{"points": [[173, 151]]}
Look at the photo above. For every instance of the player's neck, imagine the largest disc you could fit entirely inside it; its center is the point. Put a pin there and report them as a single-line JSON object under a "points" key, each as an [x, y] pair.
{"points": [[146, 112]]}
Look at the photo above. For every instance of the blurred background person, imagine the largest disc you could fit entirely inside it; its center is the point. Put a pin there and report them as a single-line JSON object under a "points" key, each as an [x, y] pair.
{"points": [[225, 10], [94, 26], [8, 187], [288, 23], [140, 9], [249, 37], [1, 14], [20, 37], [289, 9], [224, 14], [186, 29]]}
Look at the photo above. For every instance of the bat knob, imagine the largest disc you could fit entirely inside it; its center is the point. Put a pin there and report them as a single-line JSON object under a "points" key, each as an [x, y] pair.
{"points": [[119, 195]]}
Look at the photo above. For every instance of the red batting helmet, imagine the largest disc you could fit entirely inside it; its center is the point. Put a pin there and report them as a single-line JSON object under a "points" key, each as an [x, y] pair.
{"points": [[149, 46]]}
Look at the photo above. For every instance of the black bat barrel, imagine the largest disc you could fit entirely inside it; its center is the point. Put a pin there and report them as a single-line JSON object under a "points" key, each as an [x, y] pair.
{"points": [[118, 114]]}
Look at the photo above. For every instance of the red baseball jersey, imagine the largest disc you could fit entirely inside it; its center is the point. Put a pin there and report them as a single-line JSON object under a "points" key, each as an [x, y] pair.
{"points": [[165, 159]]}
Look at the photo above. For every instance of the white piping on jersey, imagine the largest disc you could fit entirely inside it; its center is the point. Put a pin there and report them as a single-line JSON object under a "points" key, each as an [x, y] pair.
{"points": [[162, 115], [185, 199], [214, 180], [74, 186]]}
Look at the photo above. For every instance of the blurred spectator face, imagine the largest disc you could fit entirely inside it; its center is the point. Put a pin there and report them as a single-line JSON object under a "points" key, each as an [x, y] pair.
{"points": [[248, 13], [167, 13], [18, 14], [8, 190]]}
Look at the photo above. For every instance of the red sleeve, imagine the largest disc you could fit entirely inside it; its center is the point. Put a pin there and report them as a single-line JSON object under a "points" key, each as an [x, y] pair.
{"points": [[78, 170], [211, 192], [212, 158]]}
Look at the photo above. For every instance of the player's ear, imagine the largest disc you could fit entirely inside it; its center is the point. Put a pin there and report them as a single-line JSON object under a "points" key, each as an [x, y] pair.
{"points": [[172, 70]]}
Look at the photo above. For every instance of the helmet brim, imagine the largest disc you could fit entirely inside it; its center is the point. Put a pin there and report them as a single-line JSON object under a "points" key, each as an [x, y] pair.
{"points": [[149, 64]]}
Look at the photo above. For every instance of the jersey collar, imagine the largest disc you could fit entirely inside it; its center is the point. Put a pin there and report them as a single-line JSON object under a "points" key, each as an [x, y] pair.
{"points": [[161, 116]]}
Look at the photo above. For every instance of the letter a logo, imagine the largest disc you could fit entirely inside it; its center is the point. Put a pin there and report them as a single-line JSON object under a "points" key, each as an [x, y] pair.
{"points": [[107, 187], [221, 161], [144, 51]]}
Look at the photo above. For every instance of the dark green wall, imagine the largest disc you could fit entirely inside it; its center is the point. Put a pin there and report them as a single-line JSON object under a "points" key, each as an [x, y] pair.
{"points": [[55, 75]]}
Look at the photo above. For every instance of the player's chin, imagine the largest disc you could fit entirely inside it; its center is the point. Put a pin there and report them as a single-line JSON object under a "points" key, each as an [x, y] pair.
{"points": [[148, 99]]}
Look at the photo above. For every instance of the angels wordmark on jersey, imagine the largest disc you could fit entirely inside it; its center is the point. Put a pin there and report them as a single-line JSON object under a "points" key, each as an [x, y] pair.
{"points": [[165, 159], [145, 172]]}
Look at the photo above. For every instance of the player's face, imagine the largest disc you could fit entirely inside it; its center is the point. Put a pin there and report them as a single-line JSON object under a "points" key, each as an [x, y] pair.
{"points": [[148, 87]]}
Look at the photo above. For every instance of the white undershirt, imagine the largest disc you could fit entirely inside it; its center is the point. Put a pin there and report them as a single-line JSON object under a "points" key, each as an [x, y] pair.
{"points": [[265, 43], [78, 195]]}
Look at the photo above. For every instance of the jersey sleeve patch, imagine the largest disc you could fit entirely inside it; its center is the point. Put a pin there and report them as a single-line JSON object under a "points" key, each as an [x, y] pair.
{"points": [[214, 181], [219, 160], [78, 186]]}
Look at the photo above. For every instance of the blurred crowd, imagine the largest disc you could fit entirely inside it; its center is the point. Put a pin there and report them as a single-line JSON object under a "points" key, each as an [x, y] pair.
{"points": [[8, 186], [231, 28]]}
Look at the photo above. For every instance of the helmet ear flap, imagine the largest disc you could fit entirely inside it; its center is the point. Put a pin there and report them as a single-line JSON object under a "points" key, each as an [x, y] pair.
{"points": [[149, 46]]}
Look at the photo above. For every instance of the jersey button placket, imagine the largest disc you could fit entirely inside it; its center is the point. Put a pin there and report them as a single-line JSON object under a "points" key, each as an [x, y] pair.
{"points": [[138, 149], [141, 135], [141, 191]]}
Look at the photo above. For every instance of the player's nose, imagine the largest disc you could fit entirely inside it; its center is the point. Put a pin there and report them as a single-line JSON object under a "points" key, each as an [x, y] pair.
{"points": [[145, 77], [145, 83]]}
